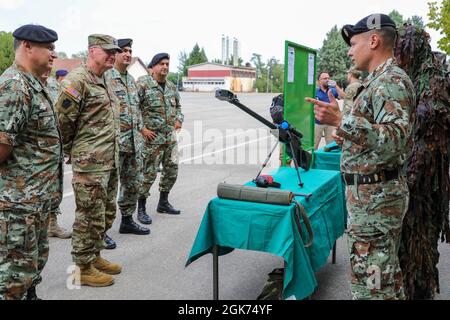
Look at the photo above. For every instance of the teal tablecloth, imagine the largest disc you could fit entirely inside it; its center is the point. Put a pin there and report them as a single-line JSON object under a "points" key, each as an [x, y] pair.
{"points": [[271, 228], [327, 160], [330, 161]]}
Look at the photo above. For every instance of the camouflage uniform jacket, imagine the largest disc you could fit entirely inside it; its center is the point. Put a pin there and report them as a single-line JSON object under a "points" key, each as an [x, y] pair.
{"points": [[377, 130], [88, 113], [53, 88], [160, 108], [131, 124], [32, 174], [350, 94]]}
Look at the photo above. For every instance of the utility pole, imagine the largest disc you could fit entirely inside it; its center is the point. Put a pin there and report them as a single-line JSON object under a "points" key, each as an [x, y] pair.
{"points": [[271, 83], [269, 66]]}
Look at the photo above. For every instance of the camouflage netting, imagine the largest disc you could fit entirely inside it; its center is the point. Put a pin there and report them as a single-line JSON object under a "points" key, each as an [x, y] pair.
{"points": [[427, 219]]}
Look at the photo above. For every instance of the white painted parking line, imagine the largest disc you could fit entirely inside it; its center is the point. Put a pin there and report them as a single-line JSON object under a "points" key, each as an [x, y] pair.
{"points": [[70, 194], [222, 150]]}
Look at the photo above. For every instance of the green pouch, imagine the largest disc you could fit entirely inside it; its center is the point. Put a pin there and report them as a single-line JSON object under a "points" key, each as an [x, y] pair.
{"points": [[253, 194]]}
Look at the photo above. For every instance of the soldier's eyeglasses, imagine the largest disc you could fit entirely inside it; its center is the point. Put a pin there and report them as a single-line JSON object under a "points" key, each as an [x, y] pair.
{"points": [[108, 52]]}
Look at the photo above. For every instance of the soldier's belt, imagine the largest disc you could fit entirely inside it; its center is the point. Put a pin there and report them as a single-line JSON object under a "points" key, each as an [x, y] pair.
{"points": [[382, 176]]}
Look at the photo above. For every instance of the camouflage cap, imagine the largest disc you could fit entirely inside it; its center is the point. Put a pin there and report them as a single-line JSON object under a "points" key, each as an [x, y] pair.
{"points": [[103, 41]]}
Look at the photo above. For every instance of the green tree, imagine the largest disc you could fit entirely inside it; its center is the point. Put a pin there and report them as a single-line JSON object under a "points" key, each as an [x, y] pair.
{"points": [[175, 78], [182, 67], [440, 20], [230, 61], [261, 72], [276, 75], [203, 56], [6, 50], [269, 75], [80, 55], [258, 63], [333, 58], [261, 83], [216, 60], [397, 17], [416, 21], [62, 55], [196, 56]]}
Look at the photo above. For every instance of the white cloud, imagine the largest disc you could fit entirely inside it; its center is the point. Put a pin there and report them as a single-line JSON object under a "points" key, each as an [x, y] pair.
{"points": [[11, 4], [73, 18]]}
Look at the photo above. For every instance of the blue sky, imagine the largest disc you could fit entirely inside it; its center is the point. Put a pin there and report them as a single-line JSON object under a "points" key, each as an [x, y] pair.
{"points": [[173, 26]]}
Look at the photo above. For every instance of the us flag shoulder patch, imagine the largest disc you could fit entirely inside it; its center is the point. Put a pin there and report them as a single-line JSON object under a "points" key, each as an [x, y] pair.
{"points": [[71, 91]]}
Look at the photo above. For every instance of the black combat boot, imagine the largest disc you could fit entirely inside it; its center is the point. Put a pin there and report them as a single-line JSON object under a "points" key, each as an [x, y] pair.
{"points": [[143, 217], [129, 226], [31, 294], [110, 243], [164, 206]]}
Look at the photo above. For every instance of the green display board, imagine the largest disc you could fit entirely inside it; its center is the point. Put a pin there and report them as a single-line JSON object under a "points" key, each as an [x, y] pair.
{"points": [[300, 82]]}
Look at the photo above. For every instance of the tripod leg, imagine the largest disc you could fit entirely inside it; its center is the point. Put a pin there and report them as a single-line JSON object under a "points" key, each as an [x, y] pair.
{"points": [[300, 183], [267, 160]]}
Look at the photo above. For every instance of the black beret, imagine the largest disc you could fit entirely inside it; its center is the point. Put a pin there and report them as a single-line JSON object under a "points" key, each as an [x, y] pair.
{"points": [[157, 58], [35, 33], [125, 43], [372, 22]]}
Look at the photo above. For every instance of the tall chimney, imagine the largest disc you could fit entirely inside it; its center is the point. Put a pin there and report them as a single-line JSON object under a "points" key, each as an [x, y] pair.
{"points": [[227, 50], [235, 52], [224, 53]]}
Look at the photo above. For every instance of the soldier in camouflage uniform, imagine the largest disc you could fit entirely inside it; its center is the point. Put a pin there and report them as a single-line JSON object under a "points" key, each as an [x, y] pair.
{"points": [[60, 75], [354, 83], [30, 163], [131, 140], [54, 230], [161, 113], [51, 84], [376, 137], [88, 113], [54, 83]]}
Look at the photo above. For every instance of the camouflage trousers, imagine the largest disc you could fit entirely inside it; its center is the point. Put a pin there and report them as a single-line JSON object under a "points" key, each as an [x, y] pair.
{"points": [[95, 198], [130, 180], [154, 155], [23, 250], [375, 216]]}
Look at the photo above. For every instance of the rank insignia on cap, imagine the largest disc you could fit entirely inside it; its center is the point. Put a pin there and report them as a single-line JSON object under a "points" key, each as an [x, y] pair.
{"points": [[71, 91]]}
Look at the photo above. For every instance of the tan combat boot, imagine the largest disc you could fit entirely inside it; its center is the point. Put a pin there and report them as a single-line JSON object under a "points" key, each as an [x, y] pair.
{"points": [[90, 276], [106, 266], [54, 230]]}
